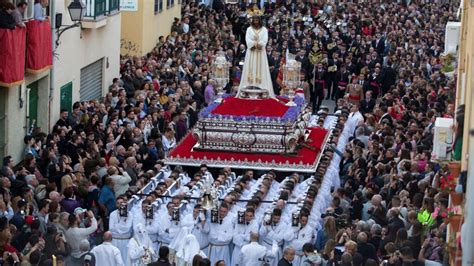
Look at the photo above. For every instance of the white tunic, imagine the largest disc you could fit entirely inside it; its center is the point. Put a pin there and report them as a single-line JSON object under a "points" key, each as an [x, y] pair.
{"points": [[278, 233], [254, 254], [121, 229], [140, 246], [353, 121], [220, 237], [242, 238], [201, 232], [186, 253], [300, 237], [107, 255], [151, 226], [256, 71], [167, 229]]}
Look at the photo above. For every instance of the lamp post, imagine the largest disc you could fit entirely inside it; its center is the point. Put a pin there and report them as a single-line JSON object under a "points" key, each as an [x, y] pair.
{"points": [[220, 73], [291, 79], [76, 10]]}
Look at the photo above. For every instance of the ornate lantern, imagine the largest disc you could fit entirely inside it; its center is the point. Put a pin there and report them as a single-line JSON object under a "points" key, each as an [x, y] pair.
{"points": [[291, 78], [220, 73]]}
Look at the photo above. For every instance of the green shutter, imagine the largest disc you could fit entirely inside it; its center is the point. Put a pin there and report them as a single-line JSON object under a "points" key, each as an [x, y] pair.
{"points": [[66, 97], [33, 104]]}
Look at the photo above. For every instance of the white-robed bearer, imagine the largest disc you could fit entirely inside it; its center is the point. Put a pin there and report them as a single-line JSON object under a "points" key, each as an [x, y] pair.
{"points": [[190, 248], [220, 236], [147, 217], [167, 227], [254, 254], [140, 248], [107, 254], [302, 234], [243, 228], [354, 119], [200, 228], [120, 226], [274, 229]]}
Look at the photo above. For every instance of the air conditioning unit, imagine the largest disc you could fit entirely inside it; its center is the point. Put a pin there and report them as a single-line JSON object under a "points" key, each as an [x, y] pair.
{"points": [[452, 37], [443, 139]]}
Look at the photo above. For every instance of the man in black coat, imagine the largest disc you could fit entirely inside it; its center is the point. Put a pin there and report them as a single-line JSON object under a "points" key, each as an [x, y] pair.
{"points": [[367, 250], [288, 257], [367, 105], [379, 43]]}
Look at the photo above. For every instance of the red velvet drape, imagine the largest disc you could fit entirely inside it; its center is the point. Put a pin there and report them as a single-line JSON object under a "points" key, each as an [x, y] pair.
{"points": [[304, 155], [246, 107], [12, 56], [40, 53]]}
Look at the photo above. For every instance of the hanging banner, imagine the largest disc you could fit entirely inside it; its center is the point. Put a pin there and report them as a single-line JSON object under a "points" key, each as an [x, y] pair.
{"points": [[39, 55], [12, 56], [128, 5]]}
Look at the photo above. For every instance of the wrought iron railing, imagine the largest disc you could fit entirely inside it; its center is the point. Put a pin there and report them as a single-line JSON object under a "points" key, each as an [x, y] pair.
{"points": [[95, 9], [113, 6]]}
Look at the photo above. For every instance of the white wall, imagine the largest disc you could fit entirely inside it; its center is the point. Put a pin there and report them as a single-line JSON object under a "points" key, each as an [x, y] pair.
{"points": [[16, 116], [75, 53]]}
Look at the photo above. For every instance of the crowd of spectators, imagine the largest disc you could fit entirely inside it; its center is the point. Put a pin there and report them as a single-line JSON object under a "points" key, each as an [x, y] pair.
{"points": [[12, 16], [383, 59]]}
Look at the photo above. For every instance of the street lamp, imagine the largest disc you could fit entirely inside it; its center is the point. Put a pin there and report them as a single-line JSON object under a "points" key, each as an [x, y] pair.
{"points": [[76, 10]]}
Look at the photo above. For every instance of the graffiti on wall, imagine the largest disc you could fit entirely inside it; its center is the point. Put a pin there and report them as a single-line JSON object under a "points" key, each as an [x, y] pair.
{"points": [[129, 47]]}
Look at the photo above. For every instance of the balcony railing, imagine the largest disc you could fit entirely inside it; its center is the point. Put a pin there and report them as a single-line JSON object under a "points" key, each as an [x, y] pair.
{"points": [[97, 9], [113, 6]]}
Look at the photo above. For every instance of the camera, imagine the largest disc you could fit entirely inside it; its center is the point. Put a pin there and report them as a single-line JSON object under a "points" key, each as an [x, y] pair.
{"points": [[214, 216], [341, 221], [123, 210], [149, 212], [241, 216]]}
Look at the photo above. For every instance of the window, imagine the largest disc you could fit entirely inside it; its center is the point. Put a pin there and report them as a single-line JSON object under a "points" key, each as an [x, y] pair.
{"points": [[161, 5], [156, 6], [169, 3]]}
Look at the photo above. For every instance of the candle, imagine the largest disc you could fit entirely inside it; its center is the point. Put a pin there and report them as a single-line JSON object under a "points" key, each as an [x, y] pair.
{"points": [[54, 260]]}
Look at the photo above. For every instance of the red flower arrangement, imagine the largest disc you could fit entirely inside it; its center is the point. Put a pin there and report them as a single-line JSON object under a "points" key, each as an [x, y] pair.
{"points": [[447, 213], [447, 183]]}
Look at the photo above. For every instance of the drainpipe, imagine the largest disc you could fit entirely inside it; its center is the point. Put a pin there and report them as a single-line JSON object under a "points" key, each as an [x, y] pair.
{"points": [[51, 71], [467, 231]]}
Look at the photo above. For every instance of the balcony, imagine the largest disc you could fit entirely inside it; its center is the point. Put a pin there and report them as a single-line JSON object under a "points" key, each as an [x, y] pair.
{"points": [[97, 11], [12, 56], [27, 48]]}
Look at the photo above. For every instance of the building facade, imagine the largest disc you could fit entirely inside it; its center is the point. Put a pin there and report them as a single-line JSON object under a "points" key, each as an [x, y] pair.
{"points": [[82, 66], [465, 96], [144, 21]]}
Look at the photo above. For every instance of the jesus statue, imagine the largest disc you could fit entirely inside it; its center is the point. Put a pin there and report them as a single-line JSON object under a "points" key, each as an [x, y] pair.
{"points": [[256, 72]]}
